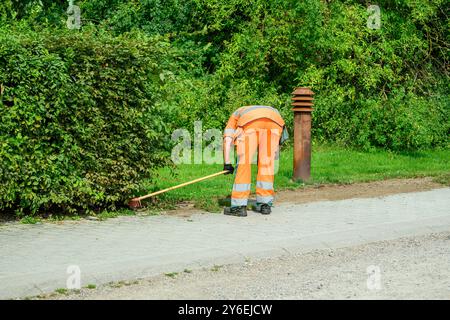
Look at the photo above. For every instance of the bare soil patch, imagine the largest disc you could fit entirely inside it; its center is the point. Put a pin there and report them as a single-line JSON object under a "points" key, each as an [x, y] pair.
{"points": [[357, 190]]}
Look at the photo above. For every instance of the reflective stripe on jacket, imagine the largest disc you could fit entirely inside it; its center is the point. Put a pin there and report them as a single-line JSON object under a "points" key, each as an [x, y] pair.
{"points": [[247, 114]]}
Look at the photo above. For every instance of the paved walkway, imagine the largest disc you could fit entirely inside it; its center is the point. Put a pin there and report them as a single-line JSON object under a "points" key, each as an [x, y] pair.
{"points": [[35, 258]]}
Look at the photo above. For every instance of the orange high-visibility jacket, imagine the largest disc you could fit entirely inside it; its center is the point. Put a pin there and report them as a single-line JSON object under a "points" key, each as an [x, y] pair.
{"points": [[247, 114]]}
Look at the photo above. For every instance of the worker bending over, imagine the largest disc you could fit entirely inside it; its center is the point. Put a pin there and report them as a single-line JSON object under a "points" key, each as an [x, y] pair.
{"points": [[253, 129]]}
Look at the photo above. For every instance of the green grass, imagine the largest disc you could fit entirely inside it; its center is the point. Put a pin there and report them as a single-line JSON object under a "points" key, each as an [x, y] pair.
{"points": [[122, 283], [104, 215], [443, 179], [330, 164], [171, 274], [60, 218], [216, 268], [61, 291], [30, 220]]}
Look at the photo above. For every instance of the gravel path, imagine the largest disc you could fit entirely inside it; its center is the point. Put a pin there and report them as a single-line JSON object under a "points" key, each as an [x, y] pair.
{"points": [[409, 268], [37, 259]]}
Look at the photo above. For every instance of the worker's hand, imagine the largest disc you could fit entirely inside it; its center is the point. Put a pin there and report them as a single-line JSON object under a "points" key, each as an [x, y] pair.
{"points": [[229, 168]]}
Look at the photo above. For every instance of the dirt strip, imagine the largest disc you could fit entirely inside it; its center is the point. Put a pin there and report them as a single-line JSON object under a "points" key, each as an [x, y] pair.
{"points": [[357, 190]]}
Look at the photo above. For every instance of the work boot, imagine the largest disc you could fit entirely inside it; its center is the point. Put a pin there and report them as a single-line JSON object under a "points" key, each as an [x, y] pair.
{"points": [[263, 208], [236, 211]]}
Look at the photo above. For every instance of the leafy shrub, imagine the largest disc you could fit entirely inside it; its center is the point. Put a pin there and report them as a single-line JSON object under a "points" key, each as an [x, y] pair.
{"points": [[403, 122], [79, 128]]}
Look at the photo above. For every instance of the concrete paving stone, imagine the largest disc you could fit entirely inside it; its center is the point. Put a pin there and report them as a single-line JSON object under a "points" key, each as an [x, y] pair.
{"points": [[34, 258]]}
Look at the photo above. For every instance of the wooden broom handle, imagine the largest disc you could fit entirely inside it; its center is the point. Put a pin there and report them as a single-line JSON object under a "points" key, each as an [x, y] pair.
{"points": [[180, 185]]}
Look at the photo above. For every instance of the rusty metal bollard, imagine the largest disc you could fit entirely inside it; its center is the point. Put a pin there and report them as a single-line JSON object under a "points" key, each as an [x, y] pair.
{"points": [[302, 102]]}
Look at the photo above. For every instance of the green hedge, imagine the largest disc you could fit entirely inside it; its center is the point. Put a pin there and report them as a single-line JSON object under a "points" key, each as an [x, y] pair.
{"points": [[79, 129]]}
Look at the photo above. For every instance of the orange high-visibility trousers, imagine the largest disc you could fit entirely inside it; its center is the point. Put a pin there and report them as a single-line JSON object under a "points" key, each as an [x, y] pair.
{"points": [[262, 135]]}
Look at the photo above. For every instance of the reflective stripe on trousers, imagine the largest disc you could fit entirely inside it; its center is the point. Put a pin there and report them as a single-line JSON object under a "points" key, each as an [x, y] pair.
{"points": [[263, 136]]}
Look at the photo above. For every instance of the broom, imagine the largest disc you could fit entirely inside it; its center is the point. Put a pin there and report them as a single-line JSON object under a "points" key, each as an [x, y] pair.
{"points": [[136, 202]]}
